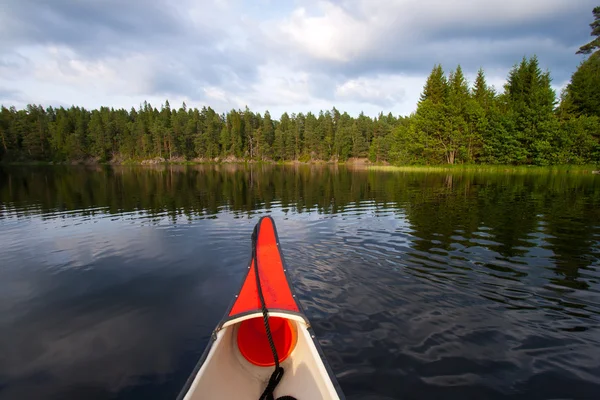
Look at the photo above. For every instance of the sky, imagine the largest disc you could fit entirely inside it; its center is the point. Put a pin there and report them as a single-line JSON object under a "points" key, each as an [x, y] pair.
{"points": [[278, 55]]}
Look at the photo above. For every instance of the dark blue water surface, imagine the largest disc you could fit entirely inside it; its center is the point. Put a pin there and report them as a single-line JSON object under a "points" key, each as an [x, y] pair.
{"points": [[419, 285]]}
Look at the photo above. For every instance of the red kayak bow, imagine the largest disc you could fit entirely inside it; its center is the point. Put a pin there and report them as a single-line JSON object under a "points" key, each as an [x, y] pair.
{"points": [[272, 272]]}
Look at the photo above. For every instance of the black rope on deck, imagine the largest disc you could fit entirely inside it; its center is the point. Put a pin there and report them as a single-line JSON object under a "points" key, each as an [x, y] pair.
{"points": [[278, 372]]}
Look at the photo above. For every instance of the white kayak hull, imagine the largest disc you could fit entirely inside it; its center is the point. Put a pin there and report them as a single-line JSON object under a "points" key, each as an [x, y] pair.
{"points": [[229, 367]]}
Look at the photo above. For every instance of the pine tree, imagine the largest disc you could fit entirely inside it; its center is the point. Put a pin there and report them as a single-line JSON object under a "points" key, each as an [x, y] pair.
{"points": [[236, 124], [594, 44], [168, 137], [249, 133], [213, 125], [482, 93], [279, 144], [268, 136], [98, 139], [455, 138], [198, 128], [582, 96], [360, 136], [380, 148], [436, 86], [299, 130], [328, 132], [288, 128], [579, 141], [359, 143], [343, 137], [126, 145], [431, 124], [6, 140], [33, 134], [479, 111], [158, 137], [311, 137], [181, 140], [531, 100], [225, 140]]}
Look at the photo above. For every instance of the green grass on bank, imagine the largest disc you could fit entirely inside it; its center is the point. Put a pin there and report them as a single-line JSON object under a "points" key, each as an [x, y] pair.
{"points": [[578, 169]]}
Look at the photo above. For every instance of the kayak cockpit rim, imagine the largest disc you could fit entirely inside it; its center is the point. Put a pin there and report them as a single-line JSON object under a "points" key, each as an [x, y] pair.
{"points": [[294, 316]]}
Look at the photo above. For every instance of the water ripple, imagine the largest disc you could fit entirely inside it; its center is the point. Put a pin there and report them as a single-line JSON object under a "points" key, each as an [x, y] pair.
{"points": [[416, 285]]}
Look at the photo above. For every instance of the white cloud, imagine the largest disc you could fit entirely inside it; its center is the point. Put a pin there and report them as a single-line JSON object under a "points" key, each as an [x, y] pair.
{"points": [[62, 66], [386, 90], [334, 35], [215, 93], [340, 32], [278, 84]]}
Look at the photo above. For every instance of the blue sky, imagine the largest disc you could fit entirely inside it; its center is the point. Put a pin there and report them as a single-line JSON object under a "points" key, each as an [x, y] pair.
{"points": [[296, 56]]}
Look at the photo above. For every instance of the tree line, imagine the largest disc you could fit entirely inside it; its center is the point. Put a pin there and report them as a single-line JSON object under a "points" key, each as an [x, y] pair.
{"points": [[454, 122]]}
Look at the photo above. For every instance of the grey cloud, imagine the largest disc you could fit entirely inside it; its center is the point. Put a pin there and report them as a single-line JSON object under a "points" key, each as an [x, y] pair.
{"points": [[188, 76], [167, 84], [471, 56], [93, 28], [224, 48], [565, 29], [323, 85], [13, 60], [10, 96], [186, 56]]}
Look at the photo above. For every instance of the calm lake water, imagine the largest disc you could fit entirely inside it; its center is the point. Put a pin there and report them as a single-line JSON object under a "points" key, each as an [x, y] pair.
{"points": [[419, 285]]}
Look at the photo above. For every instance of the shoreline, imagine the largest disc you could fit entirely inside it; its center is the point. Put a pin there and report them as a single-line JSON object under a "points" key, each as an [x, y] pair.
{"points": [[359, 165]]}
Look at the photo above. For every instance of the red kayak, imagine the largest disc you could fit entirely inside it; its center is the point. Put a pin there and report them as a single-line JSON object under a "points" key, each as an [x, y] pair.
{"points": [[264, 348]]}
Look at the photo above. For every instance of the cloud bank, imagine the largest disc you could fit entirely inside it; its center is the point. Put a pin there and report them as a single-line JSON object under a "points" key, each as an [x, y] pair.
{"points": [[357, 55]]}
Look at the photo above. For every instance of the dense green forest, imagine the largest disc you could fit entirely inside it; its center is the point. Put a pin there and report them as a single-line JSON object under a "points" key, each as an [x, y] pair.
{"points": [[455, 122]]}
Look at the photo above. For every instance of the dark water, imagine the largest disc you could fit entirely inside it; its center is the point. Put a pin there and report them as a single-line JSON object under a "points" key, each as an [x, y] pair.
{"points": [[418, 285]]}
